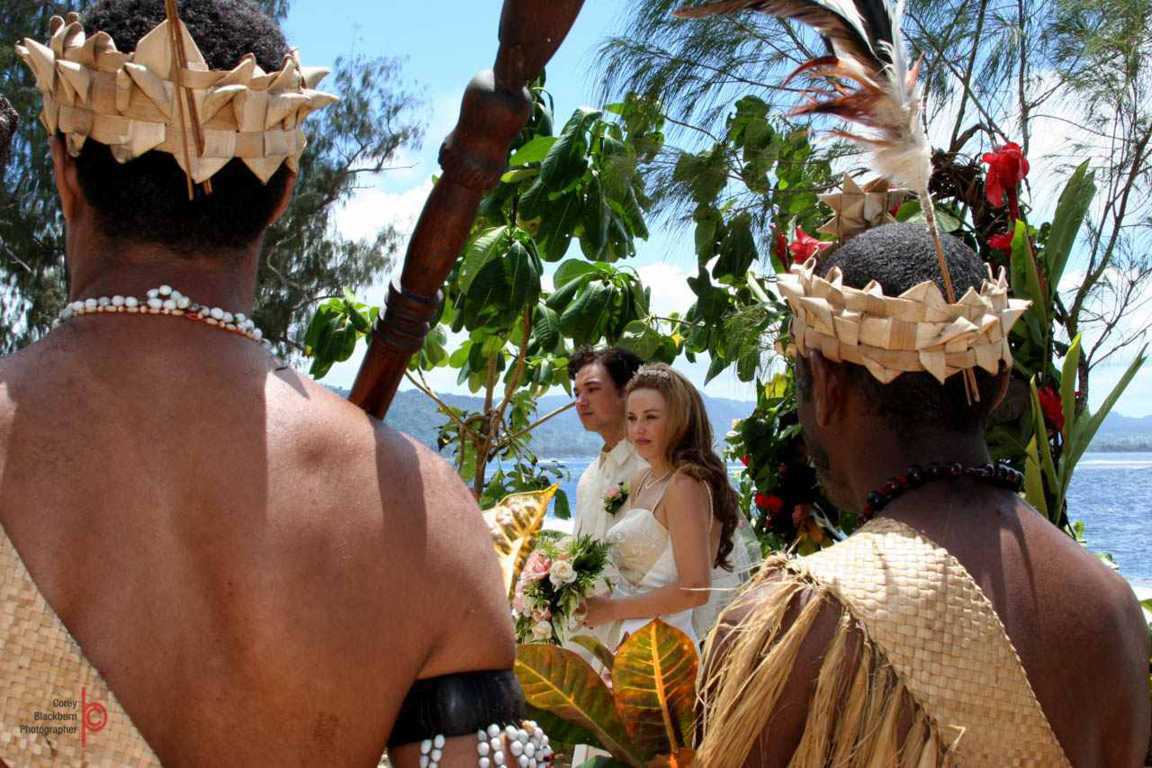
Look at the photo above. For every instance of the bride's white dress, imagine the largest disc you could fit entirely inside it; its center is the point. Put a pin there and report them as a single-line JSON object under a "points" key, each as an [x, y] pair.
{"points": [[643, 558]]}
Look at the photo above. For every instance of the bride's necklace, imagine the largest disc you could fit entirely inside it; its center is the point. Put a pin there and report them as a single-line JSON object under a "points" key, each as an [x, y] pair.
{"points": [[648, 481], [165, 300]]}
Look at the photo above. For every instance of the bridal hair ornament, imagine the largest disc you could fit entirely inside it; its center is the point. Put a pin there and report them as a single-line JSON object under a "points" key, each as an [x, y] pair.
{"points": [[163, 97], [867, 80], [889, 335]]}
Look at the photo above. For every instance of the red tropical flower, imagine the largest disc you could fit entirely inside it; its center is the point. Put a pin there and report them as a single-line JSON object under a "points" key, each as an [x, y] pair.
{"points": [[1007, 167], [1001, 242], [746, 459], [780, 246], [805, 246], [1053, 408], [769, 503]]}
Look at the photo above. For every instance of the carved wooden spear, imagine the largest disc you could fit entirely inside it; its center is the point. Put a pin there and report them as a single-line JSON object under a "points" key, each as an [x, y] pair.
{"points": [[496, 107]]}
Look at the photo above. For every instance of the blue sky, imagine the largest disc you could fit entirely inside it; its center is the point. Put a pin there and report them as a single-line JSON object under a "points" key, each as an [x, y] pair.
{"points": [[442, 44]]}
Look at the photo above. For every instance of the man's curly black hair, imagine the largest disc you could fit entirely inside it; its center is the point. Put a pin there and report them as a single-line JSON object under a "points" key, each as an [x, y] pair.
{"points": [[899, 257], [146, 199]]}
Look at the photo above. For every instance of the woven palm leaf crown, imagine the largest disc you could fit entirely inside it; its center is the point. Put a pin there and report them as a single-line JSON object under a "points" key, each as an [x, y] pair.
{"points": [[134, 104], [889, 335]]}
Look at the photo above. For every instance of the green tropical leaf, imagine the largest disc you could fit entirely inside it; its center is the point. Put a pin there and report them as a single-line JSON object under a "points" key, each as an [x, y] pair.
{"points": [[1070, 213], [596, 648], [1068, 377], [595, 217], [533, 152], [562, 734], [546, 328], [581, 319], [571, 270], [560, 682], [1088, 424], [1034, 480], [522, 271], [737, 251], [565, 160], [486, 246], [564, 295], [1044, 455], [654, 682], [1026, 275], [558, 219]]}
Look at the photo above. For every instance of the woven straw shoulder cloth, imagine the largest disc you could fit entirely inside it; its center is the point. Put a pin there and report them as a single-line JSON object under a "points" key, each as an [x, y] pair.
{"points": [[930, 650], [49, 692]]}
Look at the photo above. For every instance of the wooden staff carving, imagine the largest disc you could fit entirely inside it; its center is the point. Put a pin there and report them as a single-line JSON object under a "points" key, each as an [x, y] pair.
{"points": [[495, 108]]}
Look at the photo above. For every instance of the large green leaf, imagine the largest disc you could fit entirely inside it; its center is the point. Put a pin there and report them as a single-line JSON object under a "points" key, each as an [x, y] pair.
{"points": [[737, 251], [522, 270], [1068, 378], [558, 219], [559, 681], [1044, 455], [595, 218], [1026, 275], [565, 161], [1070, 212], [562, 734], [654, 682], [486, 246], [1088, 424], [546, 329], [582, 319], [532, 152], [570, 270], [1034, 479]]}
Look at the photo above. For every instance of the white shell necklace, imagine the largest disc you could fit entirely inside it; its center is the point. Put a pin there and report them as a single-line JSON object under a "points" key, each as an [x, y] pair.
{"points": [[165, 300]]}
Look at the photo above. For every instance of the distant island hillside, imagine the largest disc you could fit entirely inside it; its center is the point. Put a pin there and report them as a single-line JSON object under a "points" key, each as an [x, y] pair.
{"points": [[563, 436]]}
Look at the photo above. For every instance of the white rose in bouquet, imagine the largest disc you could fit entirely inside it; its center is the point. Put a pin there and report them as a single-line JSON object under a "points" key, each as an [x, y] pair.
{"points": [[561, 573], [542, 630]]}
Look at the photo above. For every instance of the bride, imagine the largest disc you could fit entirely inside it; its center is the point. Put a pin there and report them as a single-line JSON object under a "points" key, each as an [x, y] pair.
{"points": [[674, 545]]}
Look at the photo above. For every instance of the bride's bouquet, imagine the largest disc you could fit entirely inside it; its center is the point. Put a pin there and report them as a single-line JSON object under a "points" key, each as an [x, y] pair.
{"points": [[556, 579]]}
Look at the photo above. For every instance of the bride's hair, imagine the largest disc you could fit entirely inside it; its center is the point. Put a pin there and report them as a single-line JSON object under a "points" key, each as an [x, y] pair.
{"points": [[690, 445]]}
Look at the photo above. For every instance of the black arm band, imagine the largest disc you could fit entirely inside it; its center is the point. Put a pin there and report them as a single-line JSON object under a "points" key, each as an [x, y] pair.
{"points": [[458, 705]]}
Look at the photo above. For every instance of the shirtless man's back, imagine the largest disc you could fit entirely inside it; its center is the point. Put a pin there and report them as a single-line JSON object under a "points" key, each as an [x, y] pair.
{"points": [[258, 569], [235, 544]]}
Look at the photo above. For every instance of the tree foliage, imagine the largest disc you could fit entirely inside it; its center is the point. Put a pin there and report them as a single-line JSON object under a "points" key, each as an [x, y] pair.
{"points": [[304, 257], [500, 328]]}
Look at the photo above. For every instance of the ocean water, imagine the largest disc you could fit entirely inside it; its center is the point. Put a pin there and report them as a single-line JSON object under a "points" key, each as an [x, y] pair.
{"points": [[1110, 492]]}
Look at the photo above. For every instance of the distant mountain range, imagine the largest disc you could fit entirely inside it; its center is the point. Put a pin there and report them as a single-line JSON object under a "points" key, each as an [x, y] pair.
{"points": [[563, 436]]}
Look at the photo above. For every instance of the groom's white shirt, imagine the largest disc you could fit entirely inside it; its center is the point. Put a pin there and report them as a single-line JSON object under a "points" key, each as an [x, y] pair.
{"points": [[602, 475]]}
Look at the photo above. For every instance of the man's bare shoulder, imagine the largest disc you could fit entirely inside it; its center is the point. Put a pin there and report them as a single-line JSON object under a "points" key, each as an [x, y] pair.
{"points": [[419, 523]]}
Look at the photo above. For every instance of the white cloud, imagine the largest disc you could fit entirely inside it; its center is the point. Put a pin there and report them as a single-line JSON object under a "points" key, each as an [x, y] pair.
{"points": [[372, 209]]}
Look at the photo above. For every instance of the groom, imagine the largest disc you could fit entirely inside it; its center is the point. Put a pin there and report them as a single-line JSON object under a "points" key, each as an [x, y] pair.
{"points": [[599, 377]]}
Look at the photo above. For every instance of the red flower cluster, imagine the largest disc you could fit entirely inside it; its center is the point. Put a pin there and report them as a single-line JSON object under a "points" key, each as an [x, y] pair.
{"points": [[770, 504], [805, 246], [1007, 167], [1001, 242], [1053, 408]]}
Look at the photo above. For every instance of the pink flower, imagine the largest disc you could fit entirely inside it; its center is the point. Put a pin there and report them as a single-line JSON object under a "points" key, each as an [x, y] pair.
{"points": [[1007, 167], [537, 567], [542, 614], [805, 246], [518, 598]]}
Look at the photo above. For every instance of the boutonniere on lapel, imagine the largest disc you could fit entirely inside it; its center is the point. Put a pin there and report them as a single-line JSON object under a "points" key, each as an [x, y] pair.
{"points": [[615, 498]]}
